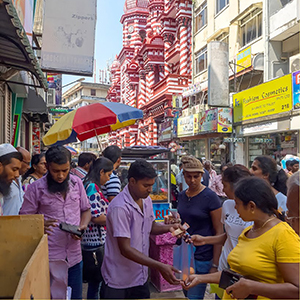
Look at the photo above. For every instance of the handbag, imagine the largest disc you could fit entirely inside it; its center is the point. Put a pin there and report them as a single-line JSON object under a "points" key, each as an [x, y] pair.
{"points": [[92, 262]]}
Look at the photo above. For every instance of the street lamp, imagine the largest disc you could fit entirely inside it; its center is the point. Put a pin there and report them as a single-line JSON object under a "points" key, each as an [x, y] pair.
{"points": [[78, 80]]}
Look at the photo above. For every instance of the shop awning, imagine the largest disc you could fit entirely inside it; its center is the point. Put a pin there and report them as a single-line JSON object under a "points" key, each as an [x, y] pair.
{"points": [[35, 108], [15, 49]]}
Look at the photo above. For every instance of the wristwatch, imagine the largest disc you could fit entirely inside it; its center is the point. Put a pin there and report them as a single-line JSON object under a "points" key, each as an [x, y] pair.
{"points": [[215, 266]]}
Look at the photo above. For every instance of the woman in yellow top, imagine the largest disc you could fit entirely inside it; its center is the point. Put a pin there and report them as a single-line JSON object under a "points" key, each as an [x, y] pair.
{"points": [[267, 253]]}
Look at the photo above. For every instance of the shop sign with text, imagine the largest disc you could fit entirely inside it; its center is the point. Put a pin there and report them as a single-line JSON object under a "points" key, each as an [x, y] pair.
{"points": [[185, 126], [296, 90], [165, 131], [208, 120], [224, 120], [266, 99]]}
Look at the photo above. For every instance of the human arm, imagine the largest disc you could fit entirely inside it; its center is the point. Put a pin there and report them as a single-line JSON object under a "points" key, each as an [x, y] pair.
{"points": [[113, 187], [199, 240], [218, 229], [160, 228], [287, 290], [194, 280], [131, 253]]}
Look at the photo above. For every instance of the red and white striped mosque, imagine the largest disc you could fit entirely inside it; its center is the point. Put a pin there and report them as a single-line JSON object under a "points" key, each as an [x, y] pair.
{"points": [[154, 64]]}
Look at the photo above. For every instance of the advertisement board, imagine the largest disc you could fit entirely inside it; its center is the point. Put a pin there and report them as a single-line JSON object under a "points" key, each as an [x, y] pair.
{"points": [[296, 90], [69, 26], [224, 123], [54, 81], [243, 60], [57, 113], [208, 120], [266, 99], [165, 131], [185, 126], [160, 210], [177, 101]]}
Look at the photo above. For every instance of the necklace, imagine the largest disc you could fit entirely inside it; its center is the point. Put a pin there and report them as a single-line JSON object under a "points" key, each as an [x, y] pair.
{"points": [[194, 194], [263, 225]]}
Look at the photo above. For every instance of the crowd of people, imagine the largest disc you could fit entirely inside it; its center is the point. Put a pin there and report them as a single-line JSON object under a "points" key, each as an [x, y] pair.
{"points": [[245, 221]]}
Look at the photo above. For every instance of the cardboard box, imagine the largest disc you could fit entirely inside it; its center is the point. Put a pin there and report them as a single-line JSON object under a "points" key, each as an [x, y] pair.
{"points": [[24, 271]]}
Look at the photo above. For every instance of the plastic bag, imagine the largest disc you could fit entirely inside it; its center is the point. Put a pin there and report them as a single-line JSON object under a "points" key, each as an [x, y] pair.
{"points": [[183, 260]]}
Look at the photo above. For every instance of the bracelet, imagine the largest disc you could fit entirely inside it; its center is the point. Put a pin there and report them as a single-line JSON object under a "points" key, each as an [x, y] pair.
{"points": [[215, 266]]}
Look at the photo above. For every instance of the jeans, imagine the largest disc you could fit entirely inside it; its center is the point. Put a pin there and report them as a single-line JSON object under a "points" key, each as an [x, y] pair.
{"points": [[197, 292], [75, 280], [93, 291]]}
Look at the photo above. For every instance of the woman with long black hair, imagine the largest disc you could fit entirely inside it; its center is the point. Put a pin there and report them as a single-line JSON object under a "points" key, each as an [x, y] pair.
{"points": [[93, 239], [38, 170], [265, 167]]}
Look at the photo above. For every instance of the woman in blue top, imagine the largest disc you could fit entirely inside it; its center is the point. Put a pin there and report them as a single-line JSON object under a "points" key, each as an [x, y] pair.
{"points": [[94, 236], [200, 207]]}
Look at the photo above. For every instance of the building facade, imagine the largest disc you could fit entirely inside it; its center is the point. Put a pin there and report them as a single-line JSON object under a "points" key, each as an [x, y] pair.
{"points": [[153, 66], [263, 55]]}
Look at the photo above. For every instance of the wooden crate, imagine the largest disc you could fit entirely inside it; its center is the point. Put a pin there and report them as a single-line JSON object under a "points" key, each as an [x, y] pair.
{"points": [[24, 271]]}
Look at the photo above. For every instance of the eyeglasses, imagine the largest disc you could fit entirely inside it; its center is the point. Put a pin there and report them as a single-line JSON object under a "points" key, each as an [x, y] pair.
{"points": [[290, 218]]}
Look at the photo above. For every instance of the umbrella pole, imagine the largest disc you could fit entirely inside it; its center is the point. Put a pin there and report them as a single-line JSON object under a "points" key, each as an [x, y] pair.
{"points": [[98, 141]]}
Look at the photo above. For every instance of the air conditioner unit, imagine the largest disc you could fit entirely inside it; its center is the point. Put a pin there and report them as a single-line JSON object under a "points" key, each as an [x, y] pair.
{"points": [[294, 63], [51, 97]]}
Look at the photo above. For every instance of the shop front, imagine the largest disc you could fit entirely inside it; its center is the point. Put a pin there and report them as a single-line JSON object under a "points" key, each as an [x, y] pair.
{"points": [[202, 134], [269, 124]]}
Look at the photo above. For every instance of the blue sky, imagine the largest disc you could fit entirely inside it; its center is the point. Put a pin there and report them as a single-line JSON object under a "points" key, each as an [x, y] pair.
{"points": [[108, 36]]}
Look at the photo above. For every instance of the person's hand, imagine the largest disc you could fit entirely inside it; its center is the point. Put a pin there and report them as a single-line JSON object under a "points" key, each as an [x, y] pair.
{"points": [[191, 281], [181, 233], [169, 219], [198, 240], [240, 289], [82, 228], [167, 273], [48, 224]]}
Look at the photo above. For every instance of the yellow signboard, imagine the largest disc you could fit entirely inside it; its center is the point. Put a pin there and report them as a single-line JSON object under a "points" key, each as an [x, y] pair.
{"points": [[244, 60], [266, 99]]}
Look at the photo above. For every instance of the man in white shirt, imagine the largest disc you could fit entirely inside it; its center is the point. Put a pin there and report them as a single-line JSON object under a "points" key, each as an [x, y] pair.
{"points": [[10, 163], [13, 201]]}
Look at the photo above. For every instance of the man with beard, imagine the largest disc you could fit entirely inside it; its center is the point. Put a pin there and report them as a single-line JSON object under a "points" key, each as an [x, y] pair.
{"points": [[60, 197], [12, 202], [10, 163]]}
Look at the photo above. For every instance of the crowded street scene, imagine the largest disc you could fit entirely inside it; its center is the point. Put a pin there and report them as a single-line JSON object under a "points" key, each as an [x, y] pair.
{"points": [[149, 149]]}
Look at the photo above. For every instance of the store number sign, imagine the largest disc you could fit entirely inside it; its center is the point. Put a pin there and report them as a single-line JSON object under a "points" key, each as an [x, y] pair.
{"points": [[266, 99]]}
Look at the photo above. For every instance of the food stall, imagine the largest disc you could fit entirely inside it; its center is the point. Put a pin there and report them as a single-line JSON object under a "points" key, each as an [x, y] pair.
{"points": [[161, 247]]}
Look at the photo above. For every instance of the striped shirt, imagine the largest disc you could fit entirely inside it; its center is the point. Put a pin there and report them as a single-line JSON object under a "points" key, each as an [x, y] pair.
{"points": [[78, 171], [112, 187]]}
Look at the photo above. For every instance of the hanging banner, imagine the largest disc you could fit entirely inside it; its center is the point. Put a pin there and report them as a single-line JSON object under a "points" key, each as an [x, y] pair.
{"points": [[296, 90], [224, 120], [36, 138], [54, 81], [244, 60], [263, 100], [69, 26]]}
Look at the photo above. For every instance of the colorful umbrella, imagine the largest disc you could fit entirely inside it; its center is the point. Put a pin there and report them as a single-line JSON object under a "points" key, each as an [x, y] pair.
{"points": [[72, 150], [91, 120]]}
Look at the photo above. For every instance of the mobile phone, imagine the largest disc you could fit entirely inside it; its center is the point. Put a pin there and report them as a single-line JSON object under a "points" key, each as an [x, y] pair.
{"points": [[73, 229]]}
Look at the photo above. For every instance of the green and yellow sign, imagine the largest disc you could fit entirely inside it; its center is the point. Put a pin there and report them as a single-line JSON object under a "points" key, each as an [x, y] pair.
{"points": [[270, 98]]}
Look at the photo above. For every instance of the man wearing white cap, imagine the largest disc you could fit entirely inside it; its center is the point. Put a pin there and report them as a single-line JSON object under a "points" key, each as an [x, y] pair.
{"points": [[10, 163]]}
